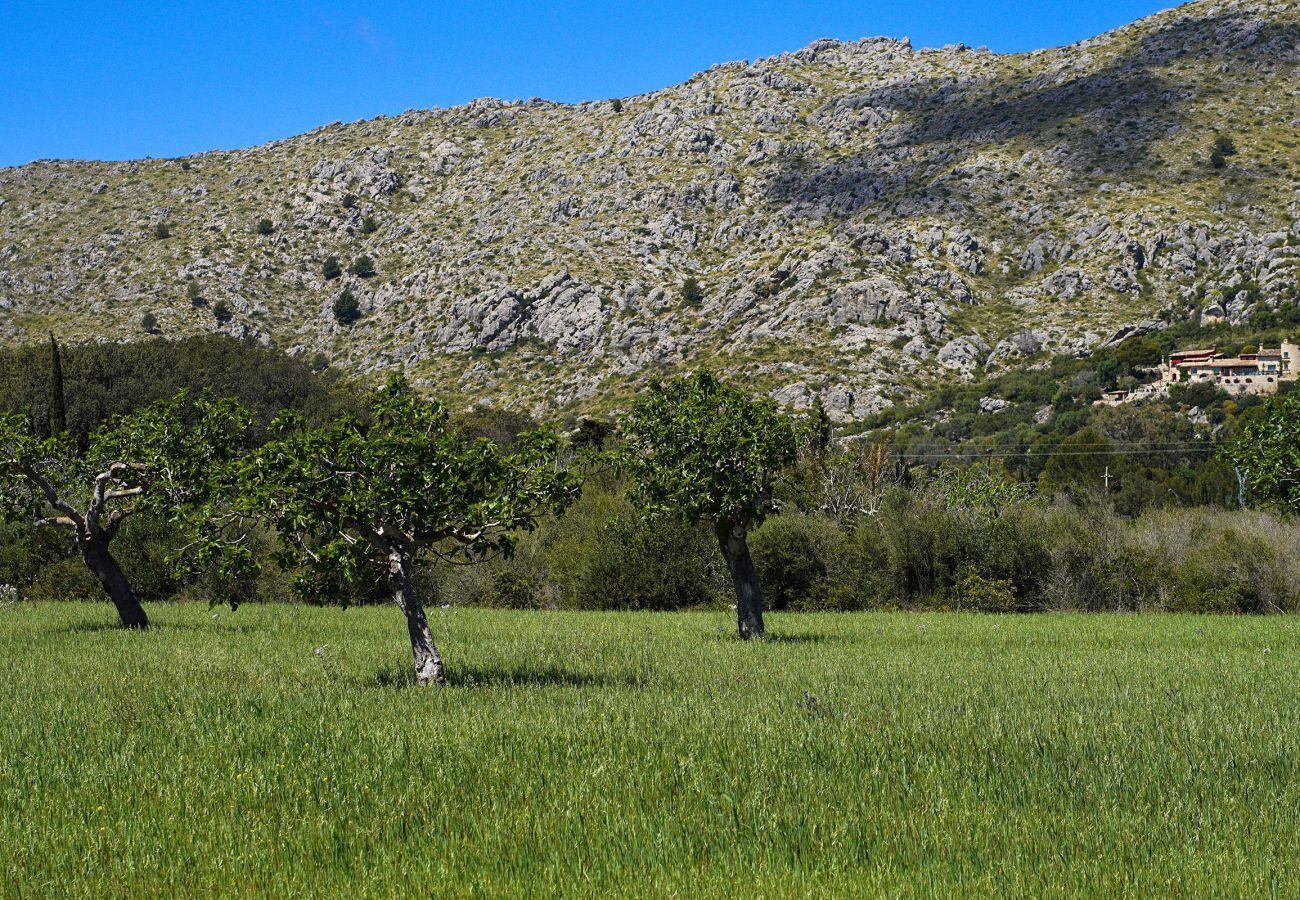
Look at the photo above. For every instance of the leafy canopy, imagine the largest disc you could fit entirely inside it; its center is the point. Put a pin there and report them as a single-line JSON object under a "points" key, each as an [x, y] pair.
{"points": [[1267, 452], [163, 458], [702, 449], [347, 496]]}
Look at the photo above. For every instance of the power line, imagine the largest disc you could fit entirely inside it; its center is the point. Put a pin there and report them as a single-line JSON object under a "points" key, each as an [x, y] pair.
{"points": [[976, 454]]}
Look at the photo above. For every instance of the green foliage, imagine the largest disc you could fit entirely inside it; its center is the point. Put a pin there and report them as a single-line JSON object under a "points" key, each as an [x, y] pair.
{"points": [[264, 227], [345, 495], [703, 450], [617, 105], [194, 293], [629, 562], [982, 487], [502, 426], [331, 268], [349, 201], [975, 592], [1267, 452], [692, 291], [1079, 466], [1222, 148], [107, 380], [149, 323], [221, 312], [790, 552], [592, 434], [346, 308], [363, 267], [58, 421], [161, 459], [368, 225], [162, 231]]}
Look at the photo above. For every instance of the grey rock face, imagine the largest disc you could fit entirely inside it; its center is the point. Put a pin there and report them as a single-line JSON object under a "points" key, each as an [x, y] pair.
{"points": [[864, 219]]}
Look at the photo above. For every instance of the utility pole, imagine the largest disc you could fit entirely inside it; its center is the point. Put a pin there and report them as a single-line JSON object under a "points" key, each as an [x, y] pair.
{"points": [[1106, 478], [1241, 488]]}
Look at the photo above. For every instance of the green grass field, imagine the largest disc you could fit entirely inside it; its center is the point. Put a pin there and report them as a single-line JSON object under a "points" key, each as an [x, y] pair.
{"points": [[633, 754]]}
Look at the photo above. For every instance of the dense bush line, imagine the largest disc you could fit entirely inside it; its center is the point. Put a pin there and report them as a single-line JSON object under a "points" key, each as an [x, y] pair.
{"points": [[920, 551], [849, 533]]}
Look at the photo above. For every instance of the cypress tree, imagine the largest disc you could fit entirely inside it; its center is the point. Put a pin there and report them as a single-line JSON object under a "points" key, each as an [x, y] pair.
{"points": [[58, 411]]}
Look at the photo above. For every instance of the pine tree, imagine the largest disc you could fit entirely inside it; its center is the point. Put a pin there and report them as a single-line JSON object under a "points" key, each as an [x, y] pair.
{"points": [[346, 308]]}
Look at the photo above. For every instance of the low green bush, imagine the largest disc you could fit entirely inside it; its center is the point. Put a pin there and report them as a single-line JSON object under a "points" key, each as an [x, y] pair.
{"points": [[790, 552]]}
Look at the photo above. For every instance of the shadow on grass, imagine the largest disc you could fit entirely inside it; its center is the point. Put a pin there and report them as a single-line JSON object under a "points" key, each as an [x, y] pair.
{"points": [[729, 635], [94, 627], [499, 676], [801, 638]]}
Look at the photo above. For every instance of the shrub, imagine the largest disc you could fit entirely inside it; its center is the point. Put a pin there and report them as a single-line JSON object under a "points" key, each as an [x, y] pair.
{"points": [[617, 105], [346, 308], [194, 293], [162, 231], [221, 311], [331, 268], [349, 201], [632, 563], [368, 225], [790, 552], [265, 227], [985, 594], [692, 292], [362, 267], [149, 322]]}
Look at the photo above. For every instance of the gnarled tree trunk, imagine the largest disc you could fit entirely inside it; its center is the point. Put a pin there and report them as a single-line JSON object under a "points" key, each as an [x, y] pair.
{"points": [[97, 557], [744, 578], [428, 664]]}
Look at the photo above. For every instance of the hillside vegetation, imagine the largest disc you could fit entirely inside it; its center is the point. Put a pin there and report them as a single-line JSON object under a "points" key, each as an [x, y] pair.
{"points": [[859, 220]]}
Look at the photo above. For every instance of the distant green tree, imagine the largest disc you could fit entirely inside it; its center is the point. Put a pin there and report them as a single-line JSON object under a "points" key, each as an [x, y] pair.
{"points": [[221, 312], [349, 201], [58, 423], [368, 225], [592, 434], [821, 432], [162, 231], [1267, 454], [331, 268], [1223, 148], [363, 267], [1078, 465], [149, 322], [346, 308], [692, 292], [265, 227], [617, 105], [705, 451], [194, 293]]}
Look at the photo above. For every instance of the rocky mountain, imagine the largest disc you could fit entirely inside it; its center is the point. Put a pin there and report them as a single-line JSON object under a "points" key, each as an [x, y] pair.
{"points": [[862, 220]]}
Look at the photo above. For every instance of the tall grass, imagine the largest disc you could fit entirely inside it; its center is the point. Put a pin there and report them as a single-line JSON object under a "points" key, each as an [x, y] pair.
{"points": [[278, 751]]}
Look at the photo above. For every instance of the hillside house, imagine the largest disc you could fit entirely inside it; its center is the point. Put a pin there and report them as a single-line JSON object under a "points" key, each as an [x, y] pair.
{"points": [[1261, 372]]}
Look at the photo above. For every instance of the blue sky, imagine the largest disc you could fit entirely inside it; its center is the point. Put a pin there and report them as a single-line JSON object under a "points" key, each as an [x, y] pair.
{"points": [[116, 80]]}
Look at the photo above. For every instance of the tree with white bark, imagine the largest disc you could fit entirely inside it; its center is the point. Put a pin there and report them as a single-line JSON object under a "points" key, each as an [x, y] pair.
{"points": [[165, 458], [702, 450], [364, 498]]}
